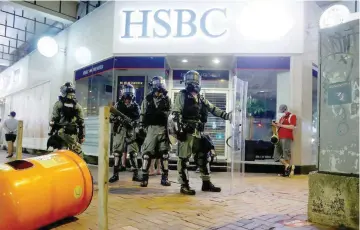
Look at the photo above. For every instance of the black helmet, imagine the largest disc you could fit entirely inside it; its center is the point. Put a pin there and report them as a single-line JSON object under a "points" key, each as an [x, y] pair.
{"points": [[158, 84], [68, 89], [192, 81], [129, 92]]}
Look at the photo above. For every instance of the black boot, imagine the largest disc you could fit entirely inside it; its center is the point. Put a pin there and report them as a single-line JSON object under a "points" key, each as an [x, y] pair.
{"points": [[144, 180], [165, 180], [114, 178], [207, 186], [136, 176], [185, 189]]}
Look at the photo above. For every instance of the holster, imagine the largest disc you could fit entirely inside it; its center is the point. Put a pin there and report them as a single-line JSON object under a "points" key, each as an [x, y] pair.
{"points": [[70, 130]]}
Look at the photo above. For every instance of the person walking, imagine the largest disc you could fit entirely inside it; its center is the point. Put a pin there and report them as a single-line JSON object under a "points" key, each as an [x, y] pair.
{"points": [[10, 126]]}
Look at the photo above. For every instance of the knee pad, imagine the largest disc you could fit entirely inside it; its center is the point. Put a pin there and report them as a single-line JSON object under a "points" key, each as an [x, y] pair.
{"points": [[116, 159], [208, 157], [165, 155], [146, 156], [146, 162], [184, 175]]}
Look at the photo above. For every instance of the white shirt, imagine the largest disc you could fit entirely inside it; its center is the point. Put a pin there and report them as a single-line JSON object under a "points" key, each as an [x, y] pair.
{"points": [[10, 125]]}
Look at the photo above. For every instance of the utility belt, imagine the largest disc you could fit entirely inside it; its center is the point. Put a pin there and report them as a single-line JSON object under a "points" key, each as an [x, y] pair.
{"points": [[70, 129], [67, 129], [190, 127]]}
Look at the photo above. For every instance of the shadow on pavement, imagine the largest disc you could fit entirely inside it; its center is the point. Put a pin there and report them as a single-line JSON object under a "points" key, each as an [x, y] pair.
{"points": [[60, 223]]}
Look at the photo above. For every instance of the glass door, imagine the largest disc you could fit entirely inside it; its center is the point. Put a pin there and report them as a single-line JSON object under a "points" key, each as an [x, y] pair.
{"points": [[236, 141]]}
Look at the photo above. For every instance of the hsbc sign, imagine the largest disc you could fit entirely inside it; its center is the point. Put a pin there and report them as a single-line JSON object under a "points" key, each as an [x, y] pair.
{"points": [[176, 23]]}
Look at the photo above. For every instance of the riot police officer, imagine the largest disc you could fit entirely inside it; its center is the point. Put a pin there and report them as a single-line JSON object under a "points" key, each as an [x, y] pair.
{"points": [[67, 121], [124, 133], [155, 110], [186, 115]]}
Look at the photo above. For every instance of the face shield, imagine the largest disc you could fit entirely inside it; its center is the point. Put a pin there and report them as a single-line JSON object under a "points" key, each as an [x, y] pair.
{"points": [[192, 81], [129, 93], [159, 85]]}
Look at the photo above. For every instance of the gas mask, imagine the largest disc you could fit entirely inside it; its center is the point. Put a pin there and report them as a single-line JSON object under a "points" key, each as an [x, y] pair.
{"points": [[192, 81]]}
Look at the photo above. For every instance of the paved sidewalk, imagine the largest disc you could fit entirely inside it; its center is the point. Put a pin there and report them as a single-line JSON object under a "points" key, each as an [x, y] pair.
{"points": [[3, 155], [247, 202], [253, 201]]}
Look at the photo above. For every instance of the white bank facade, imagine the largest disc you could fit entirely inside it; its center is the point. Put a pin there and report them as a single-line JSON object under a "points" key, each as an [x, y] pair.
{"points": [[124, 41]]}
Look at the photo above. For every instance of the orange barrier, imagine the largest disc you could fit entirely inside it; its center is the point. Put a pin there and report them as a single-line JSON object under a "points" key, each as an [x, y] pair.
{"points": [[38, 191]]}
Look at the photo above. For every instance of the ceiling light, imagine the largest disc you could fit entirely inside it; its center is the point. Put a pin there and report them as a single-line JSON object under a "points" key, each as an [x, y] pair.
{"points": [[47, 46], [216, 61], [265, 20], [184, 61], [333, 16]]}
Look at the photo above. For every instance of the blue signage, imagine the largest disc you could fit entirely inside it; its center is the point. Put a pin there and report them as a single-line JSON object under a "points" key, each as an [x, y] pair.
{"points": [[120, 63], [274, 63], [164, 23], [94, 69], [205, 74], [139, 63]]}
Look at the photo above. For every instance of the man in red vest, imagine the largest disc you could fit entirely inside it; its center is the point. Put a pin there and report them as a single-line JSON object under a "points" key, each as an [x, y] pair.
{"points": [[285, 127]]}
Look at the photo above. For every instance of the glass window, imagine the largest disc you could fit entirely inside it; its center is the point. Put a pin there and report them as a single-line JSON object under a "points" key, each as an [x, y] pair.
{"points": [[314, 127], [92, 93], [267, 89]]}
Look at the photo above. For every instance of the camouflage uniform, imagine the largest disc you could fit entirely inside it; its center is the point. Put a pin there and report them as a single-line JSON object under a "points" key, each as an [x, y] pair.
{"points": [[154, 113], [187, 112], [125, 137], [69, 118]]}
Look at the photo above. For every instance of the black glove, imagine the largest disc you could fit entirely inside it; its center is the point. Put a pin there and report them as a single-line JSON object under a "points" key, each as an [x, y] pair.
{"points": [[201, 127]]}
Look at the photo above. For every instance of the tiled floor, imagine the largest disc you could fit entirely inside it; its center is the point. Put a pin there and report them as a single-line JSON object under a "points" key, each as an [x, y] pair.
{"points": [[251, 201]]}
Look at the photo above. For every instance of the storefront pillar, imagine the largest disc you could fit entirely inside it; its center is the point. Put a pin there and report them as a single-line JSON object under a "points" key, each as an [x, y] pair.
{"points": [[283, 91], [301, 105]]}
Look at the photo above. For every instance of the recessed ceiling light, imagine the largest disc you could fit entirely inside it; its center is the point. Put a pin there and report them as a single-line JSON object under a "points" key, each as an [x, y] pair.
{"points": [[184, 61], [216, 61]]}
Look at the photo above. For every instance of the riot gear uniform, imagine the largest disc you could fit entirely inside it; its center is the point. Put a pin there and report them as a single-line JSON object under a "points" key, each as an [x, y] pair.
{"points": [[207, 145], [187, 115], [67, 121], [124, 134], [154, 113]]}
